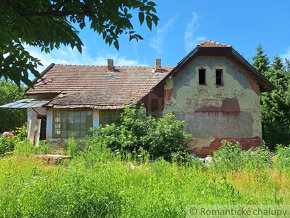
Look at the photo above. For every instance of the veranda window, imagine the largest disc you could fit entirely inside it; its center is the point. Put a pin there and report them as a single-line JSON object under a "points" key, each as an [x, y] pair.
{"points": [[110, 116], [72, 122]]}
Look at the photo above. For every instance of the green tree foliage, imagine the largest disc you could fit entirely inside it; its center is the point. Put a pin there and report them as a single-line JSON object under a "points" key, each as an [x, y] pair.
{"points": [[48, 24], [11, 118], [261, 61], [275, 106], [277, 63]]}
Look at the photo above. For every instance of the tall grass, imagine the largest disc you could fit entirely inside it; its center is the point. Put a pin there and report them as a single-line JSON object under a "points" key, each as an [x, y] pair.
{"points": [[101, 183]]}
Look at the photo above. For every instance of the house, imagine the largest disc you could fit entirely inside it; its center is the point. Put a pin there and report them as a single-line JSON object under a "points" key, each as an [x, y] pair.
{"points": [[213, 89]]}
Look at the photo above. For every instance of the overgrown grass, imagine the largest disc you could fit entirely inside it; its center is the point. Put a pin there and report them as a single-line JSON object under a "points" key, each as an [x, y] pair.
{"points": [[101, 183]]}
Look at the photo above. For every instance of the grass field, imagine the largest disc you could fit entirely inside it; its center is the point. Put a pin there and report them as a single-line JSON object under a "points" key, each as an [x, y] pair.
{"points": [[101, 183]]}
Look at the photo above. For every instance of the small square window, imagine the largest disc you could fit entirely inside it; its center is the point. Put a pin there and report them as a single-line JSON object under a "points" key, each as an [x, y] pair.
{"points": [[201, 75], [219, 77]]}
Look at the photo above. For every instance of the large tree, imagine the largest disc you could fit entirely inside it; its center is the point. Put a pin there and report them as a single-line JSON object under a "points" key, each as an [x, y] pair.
{"points": [[50, 23], [261, 61], [11, 118], [275, 106]]}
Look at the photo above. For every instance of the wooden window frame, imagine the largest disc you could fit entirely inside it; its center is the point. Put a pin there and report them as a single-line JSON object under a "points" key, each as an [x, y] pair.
{"points": [[199, 77], [88, 123], [221, 77], [115, 119]]}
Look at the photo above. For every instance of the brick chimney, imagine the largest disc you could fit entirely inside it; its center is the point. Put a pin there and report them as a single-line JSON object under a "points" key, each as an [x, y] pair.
{"points": [[158, 64], [110, 65]]}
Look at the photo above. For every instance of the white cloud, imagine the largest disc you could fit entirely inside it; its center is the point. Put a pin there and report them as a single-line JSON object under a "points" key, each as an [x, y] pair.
{"points": [[190, 38], [287, 54], [67, 55], [157, 41]]}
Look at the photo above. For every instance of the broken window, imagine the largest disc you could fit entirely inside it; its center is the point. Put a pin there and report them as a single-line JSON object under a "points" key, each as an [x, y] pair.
{"points": [[110, 116], [69, 123], [201, 76], [219, 77]]}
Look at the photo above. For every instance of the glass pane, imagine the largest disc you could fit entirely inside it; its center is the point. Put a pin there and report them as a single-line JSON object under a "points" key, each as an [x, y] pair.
{"points": [[63, 126], [89, 113], [57, 119], [64, 119], [83, 119], [83, 126], [63, 134], [70, 126], [70, 133], [77, 120], [57, 113], [70, 120], [78, 113], [83, 113], [70, 113], [57, 126], [77, 126]]}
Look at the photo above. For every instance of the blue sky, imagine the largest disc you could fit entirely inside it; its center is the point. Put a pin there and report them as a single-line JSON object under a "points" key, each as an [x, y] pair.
{"points": [[185, 23]]}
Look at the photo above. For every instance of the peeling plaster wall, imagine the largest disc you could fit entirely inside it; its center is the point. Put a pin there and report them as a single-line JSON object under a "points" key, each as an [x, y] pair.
{"points": [[211, 111]]}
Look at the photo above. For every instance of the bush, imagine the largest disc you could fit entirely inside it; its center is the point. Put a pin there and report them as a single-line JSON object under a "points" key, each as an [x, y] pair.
{"points": [[6, 145], [137, 133]]}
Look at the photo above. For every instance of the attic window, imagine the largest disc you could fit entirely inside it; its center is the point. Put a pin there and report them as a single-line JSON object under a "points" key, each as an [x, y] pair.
{"points": [[219, 77], [201, 74]]}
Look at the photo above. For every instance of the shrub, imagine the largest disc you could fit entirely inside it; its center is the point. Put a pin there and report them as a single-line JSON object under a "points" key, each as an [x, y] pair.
{"points": [[136, 133], [6, 145]]}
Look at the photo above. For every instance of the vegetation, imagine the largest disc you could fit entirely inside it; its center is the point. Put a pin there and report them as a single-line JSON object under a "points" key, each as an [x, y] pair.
{"points": [[48, 24], [10, 119], [138, 133], [102, 183], [275, 106]]}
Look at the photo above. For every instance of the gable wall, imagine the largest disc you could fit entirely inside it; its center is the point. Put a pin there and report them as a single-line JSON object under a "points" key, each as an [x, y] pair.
{"points": [[212, 112]]}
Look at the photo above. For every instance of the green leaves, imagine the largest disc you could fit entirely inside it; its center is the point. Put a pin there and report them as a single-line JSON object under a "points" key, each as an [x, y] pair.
{"points": [[48, 25]]}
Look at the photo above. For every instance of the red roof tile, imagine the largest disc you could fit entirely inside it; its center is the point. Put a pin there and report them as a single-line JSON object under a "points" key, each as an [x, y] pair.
{"points": [[96, 87], [210, 43]]}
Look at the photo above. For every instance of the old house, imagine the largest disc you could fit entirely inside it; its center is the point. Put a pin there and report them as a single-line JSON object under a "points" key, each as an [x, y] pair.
{"points": [[213, 89]]}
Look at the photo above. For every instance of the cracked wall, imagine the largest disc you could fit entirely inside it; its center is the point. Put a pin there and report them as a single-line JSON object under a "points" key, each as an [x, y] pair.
{"points": [[211, 111]]}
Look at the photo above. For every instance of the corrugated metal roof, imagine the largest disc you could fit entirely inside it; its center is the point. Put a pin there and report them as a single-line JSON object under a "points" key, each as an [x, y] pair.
{"points": [[26, 103]]}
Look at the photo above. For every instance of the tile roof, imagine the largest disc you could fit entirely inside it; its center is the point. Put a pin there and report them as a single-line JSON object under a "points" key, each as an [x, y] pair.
{"points": [[210, 43], [80, 86]]}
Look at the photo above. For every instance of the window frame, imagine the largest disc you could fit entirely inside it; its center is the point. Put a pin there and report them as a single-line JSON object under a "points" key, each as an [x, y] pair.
{"points": [[71, 110], [199, 77], [101, 116], [221, 77]]}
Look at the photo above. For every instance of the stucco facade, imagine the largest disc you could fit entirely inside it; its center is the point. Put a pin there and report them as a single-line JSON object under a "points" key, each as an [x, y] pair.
{"points": [[213, 112]]}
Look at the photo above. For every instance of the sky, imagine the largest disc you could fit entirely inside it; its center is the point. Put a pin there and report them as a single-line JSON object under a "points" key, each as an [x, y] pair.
{"points": [[183, 24]]}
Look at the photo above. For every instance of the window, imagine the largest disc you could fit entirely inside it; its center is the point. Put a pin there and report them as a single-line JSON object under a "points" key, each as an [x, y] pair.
{"points": [[201, 74], [219, 77], [72, 122], [110, 116]]}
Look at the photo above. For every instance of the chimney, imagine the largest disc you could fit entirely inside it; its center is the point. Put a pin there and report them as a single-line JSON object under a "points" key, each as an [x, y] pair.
{"points": [[158, 64], [110, 65]]}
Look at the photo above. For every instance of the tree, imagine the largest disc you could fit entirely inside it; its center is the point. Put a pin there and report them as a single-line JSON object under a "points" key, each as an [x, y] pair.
{"points": [[277, 63], [48, 24], [275, 106], [261, 61], [11, 118]]}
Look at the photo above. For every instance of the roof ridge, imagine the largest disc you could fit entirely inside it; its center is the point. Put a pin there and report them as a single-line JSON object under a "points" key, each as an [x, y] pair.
{"points": [[212, 43]]}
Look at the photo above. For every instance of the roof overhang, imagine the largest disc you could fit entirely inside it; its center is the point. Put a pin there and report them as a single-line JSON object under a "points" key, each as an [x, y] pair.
{"points": [[26, 103]]}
